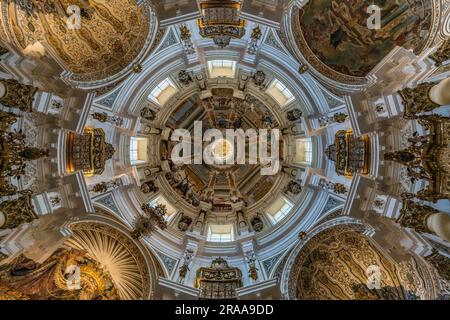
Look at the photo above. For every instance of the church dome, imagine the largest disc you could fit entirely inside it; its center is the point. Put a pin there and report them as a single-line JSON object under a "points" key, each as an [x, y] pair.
{"points": [[92, 43], [217, 150]]}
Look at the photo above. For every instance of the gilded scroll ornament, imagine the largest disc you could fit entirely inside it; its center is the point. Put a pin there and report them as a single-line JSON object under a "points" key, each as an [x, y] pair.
{"points": [[218, 281], [88, 152], [66, 275], [17, 211], [17, 95], [441, 263], [415, 215], [417, 101], [427, 158], [14, 155], [145, 224], [442, 54], [221, 21], [351, 154]]}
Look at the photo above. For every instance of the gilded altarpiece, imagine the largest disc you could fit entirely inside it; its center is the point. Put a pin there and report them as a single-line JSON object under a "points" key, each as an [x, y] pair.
{"points": [[351, 154], [219, 281], [88, 152], [333, 266]]}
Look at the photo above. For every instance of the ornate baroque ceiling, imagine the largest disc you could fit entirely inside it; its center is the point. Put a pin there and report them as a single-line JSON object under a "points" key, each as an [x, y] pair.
{"points": [[94, 205]]}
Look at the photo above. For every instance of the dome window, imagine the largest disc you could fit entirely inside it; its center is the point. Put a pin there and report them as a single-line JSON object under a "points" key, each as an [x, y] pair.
{"points": [[170, 210], [280, 93], [163, 92], [279, 209], [220, 233], [222, 68], [303, 151], [138, 150]]}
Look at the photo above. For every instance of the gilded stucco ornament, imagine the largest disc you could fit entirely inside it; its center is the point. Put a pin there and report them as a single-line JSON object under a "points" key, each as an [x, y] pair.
{"points": [[441, 263], [15, 155], [88, 151], [252, 269], [55, 278], [417, 100], [17, 212], [427, 158], [184, 268], [184, 223], [221, 21], [331, 264], [104, 117], [351, 154], [414, 215], [185, 35], [153, 217], [442, 54], [17, 95], [103, 187], [218, 281], [253, 45], [110, 38], [120, 256]]}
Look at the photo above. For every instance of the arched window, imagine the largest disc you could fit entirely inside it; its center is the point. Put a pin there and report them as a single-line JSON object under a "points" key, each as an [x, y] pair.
{"points": [[160, 200], [138, 150], [280, 93], [303, 150], [222, 68], [220, 233], [279, 209], [163, 92]]}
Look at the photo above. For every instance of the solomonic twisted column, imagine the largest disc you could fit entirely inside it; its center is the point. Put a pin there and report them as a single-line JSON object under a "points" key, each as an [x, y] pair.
{"points": [[16, 95], [426, 219]]}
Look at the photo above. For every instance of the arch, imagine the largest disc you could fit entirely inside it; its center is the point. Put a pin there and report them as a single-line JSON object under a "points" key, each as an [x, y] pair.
{"points": [[109, 42], [335, 262], [134, 270], [323, 35]]}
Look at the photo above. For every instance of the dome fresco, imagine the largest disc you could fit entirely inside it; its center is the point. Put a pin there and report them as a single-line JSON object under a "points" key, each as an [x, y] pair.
{"points": [[224, 150], [337, 32], [110, 37], [221, 183]]}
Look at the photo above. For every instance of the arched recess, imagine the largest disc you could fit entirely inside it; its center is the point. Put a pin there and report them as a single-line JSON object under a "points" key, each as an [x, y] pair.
{"points": [[332, 38], [110, 40], [133, 268], [333, 265], [111, 266]]}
